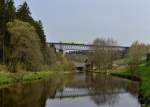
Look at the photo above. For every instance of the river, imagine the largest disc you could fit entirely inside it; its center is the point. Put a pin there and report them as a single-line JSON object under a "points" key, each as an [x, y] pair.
{"points": [[72, 90]]}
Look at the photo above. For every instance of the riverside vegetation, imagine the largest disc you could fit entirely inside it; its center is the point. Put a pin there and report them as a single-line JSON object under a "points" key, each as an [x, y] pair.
{"points": [[143, 77], [24, 54], [138, 69]]}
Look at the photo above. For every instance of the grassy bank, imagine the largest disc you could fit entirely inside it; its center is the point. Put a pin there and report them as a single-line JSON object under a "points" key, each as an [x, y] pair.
{"points": [[7, 78], [145, 86], [122, 74], [144, 74]]}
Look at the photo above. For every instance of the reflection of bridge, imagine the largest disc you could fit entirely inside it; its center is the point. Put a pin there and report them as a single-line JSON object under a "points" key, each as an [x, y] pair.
{"points": [[82, 92], [64, 47]]}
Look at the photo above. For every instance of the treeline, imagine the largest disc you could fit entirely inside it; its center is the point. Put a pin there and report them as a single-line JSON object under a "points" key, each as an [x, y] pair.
{"points": [[104, 59], [22, 40]]}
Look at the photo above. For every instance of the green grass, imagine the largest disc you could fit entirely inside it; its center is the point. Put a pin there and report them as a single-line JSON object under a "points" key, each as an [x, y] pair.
{"points": [[5, 78], [122, 74], [11, 78], [144, 73], [35, 76]]}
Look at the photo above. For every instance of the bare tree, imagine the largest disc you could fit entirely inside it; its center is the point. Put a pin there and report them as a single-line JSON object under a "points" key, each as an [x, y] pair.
{"points": [[103, 53]]}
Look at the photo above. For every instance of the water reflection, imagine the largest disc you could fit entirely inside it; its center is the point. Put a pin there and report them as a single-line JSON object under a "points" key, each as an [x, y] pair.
{"points": [[79, 90], [108, 88]]}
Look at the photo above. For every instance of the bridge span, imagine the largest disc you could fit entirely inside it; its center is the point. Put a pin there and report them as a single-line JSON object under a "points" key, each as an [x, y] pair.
{"points": [[66, 47]]}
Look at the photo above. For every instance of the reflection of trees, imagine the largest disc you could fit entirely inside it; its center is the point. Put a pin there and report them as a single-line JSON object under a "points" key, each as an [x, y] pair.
{"points": [[133, 88], [105, 99], [102, 86], [27, 95], [107, 88]]}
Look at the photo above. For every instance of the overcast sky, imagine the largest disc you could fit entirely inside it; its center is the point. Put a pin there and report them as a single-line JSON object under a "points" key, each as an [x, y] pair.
{"points": [[82, 21]]}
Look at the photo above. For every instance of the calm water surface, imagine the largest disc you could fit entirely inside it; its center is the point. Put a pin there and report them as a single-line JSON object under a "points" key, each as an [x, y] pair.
{"points": [[78, 90]]}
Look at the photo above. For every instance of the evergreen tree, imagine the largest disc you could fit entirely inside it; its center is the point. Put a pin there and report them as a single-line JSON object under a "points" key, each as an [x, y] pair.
{"points": [[10, 10], [2, 5], [23, 13], [2, 18], [47, 52], [40, 31], [2, 27], [10, 16]]}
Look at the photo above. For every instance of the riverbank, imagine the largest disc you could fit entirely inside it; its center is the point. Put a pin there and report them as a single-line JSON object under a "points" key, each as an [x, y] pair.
{"points": [[7, 78], [144, 76]]}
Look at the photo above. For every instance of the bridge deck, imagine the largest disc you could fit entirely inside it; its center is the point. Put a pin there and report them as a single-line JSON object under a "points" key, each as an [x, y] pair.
{"points": [[74, 46]]}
